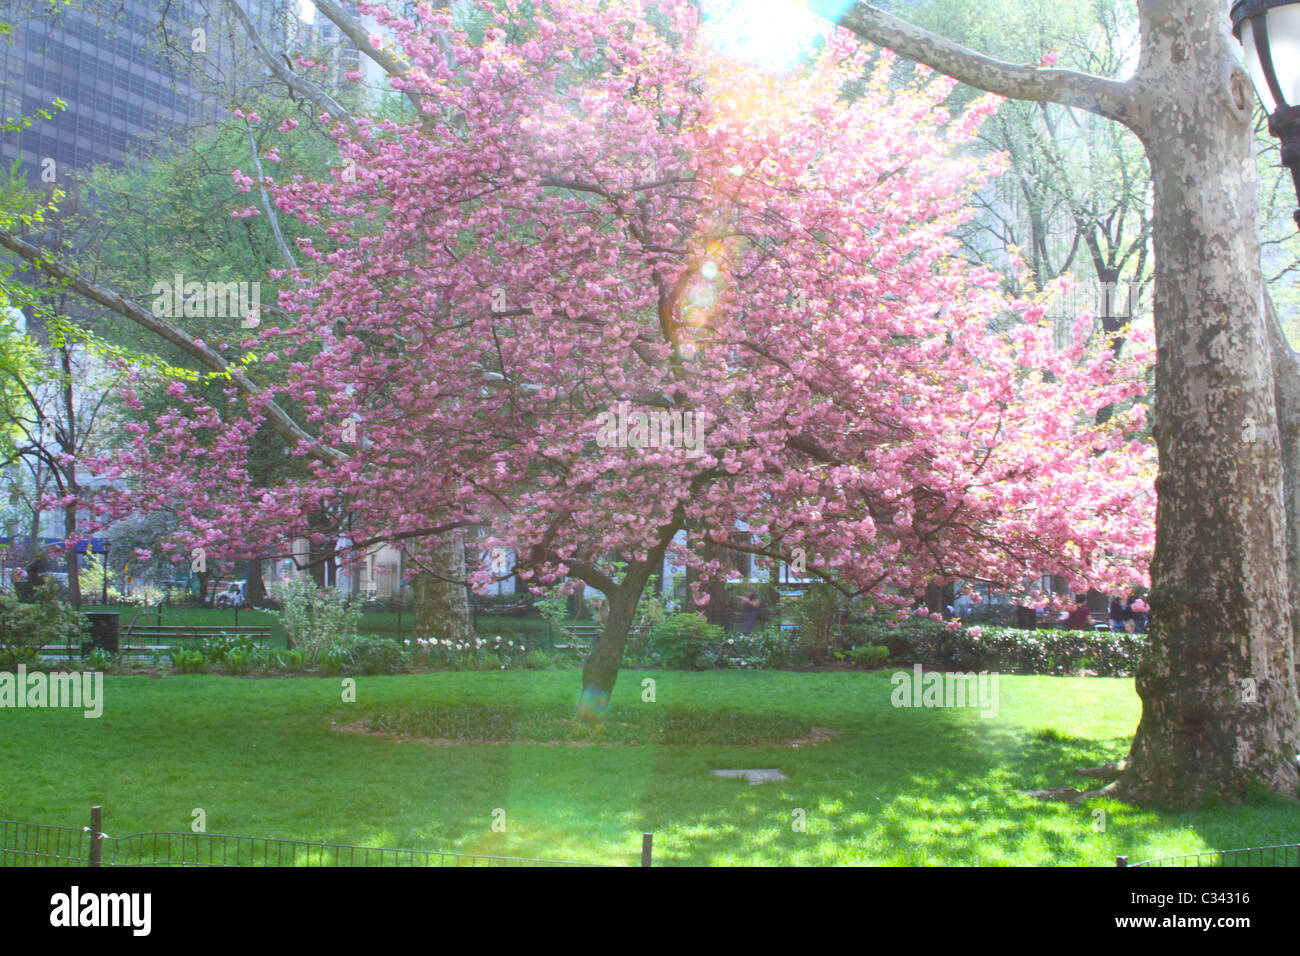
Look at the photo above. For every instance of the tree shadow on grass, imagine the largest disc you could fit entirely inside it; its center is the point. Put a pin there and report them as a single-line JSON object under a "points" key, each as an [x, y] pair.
{"points": [[926, 788]]}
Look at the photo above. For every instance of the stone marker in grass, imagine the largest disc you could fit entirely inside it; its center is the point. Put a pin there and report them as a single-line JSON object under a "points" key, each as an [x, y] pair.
{"points": [[753, 776]]}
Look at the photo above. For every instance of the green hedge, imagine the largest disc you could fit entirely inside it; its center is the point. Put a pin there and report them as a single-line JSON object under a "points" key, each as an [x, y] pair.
{"points": [[1012, 651]]}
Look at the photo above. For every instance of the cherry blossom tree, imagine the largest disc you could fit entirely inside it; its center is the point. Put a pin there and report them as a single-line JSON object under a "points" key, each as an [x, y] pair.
{"points": [[611, 284]]}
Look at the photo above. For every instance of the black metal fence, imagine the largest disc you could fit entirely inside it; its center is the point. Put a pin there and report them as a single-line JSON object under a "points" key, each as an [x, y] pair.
{"points": [[1285, 855], [35, 844]]}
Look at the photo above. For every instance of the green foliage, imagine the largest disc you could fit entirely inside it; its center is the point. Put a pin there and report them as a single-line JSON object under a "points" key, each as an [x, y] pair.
{"points": [[97, 660], [317, 621], [820, 616], [651, 611], [283, 660], [869, 655], [236, 653], [189, 661], [537, 660], [684, 642], [46, 620], [554, 609], [334, 659], [1012, 651], [770, 647], [376, 655]]}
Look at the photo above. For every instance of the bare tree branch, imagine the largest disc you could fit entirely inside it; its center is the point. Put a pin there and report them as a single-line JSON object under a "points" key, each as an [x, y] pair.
{"points": [[304, 88], [353, 30], [279, 419], [1109, 98]]}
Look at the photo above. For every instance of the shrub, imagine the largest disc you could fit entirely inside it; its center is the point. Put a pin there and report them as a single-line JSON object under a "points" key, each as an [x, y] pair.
{"points": [[373, 655], [317, 621], [235, 653], [334, 659], [869, 655], [97, 660], [239, 662], [537, 661], [46, 620], [769, 647], [684, 642], [283, 660]]}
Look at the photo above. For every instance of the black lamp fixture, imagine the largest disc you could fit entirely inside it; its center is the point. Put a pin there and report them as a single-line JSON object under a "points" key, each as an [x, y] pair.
{"points": [[1269, 32]]}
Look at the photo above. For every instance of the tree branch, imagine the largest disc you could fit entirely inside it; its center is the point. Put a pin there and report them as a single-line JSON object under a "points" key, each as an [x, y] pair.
{"points": [[279, 419], [304, 88], [1109, 98], [353, 30]]}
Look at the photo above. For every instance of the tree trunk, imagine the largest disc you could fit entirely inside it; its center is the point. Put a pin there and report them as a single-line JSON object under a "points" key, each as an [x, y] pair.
{"points": [[74, 570], [1218, 684], [442, 606], [255, 590], [1286, 384], [601, 669]]}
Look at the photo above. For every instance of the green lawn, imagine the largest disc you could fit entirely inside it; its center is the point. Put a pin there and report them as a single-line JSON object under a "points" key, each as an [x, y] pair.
{"points": [[385, 624], [897, 786]]}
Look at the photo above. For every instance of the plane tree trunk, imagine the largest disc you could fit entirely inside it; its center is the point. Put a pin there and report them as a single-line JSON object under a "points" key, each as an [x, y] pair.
{"points": [[442, 604], [1218, 682]]}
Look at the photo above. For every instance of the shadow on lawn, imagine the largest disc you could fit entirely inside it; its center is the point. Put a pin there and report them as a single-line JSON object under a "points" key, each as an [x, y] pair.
{"points": [[953, 797]]}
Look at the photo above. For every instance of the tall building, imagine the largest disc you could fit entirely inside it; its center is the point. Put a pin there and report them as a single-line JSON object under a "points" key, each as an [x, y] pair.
{"points": [[125, 70]]}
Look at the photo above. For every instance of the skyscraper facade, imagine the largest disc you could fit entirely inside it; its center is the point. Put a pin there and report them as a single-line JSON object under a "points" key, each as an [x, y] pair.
{"points": [[127, 71]]}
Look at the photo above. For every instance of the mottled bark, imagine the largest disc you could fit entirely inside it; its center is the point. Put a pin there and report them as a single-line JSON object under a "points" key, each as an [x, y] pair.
{"points": [[441, 600], [1218, 683], [1286, 387]]}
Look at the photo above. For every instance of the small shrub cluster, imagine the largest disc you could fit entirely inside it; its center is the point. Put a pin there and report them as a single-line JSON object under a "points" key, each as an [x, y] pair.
{"points": [[763, 649], [374, 655], [683, 642], [868, 655], [233, 654]]}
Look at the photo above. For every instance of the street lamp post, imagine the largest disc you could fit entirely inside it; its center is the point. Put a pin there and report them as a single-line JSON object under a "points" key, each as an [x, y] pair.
{"points": [[1269, 32]]}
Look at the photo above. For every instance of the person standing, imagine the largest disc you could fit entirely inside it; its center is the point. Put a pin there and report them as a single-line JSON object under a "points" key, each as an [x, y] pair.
{"points": [[1121, 618], [751, 608]]}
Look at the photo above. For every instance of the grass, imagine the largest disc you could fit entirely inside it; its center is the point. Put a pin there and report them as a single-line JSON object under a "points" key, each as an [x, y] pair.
{"points": [[897, 786], [555, 723]]}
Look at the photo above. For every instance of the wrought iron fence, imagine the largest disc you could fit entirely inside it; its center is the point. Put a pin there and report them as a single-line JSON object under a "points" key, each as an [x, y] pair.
{"points": [[34, 844], [1284, 855]]}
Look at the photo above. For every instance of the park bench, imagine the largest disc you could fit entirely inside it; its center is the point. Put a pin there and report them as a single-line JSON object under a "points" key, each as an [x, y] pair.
{"points": [[1100, 621], [144, 640], [584, 635], [174, 632]]}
